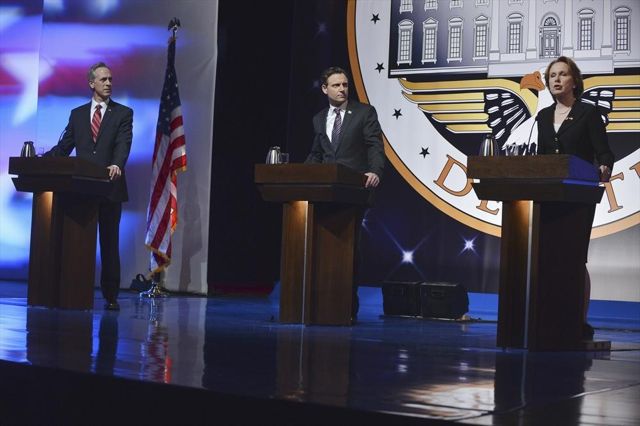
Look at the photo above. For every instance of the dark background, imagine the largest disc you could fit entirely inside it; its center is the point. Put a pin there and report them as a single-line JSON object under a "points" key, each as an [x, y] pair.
{"points": [[267, 91]]}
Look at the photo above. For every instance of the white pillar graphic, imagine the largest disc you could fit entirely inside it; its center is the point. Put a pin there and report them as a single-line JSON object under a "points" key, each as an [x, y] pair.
{"points": [[567, 29], [496, 24], [532, 38], [606, 29]]}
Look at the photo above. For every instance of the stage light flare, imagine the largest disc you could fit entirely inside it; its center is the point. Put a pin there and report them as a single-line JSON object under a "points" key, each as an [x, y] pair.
{"points": [[469, 245]]}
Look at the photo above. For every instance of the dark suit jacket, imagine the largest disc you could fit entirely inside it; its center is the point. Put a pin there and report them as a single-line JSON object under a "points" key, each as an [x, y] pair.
{"points": [[582, 134], [360, 144], [111, 147]]}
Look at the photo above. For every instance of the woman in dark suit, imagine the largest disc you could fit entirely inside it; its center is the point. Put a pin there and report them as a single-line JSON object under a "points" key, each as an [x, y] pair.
{"points": [[569, 126]]}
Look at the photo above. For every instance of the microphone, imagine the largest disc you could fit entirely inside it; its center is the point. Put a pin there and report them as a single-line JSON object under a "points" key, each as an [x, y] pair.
{"points": [[53, 152]]}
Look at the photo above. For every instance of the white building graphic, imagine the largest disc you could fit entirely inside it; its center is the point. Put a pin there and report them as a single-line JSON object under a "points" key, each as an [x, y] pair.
{"points": [[511, 37]]}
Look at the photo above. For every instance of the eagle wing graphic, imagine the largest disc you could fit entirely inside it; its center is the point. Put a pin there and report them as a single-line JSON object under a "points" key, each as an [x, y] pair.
{"points": [[618, 100], [496, 106]]}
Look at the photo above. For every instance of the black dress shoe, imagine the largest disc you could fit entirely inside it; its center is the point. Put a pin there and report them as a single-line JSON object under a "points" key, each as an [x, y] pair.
{"points": [[112, 306]]}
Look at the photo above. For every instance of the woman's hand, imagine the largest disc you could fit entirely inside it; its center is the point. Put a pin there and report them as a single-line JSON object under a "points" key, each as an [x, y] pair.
{"points": [[605, 173]]}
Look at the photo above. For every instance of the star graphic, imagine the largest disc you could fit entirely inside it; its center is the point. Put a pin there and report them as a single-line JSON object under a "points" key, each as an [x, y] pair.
{"points": [[15, 65], [380, 67], [397, 113], [424, 152], [375, 18]]}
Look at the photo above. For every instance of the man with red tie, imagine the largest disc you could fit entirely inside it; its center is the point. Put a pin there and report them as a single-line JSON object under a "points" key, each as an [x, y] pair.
{"points": [[101, 132]]}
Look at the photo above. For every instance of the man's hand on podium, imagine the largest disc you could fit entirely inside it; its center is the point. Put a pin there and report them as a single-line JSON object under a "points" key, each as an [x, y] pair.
{"points": [[372, 180], [114, 172]]}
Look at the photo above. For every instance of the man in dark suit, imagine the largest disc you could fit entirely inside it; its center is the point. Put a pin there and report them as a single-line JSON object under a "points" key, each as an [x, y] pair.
{"points": [[101, 132], [348, 132]]}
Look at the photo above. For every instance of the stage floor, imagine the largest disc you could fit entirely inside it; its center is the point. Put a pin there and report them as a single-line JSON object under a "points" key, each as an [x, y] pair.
{"points": [[414, 368]]}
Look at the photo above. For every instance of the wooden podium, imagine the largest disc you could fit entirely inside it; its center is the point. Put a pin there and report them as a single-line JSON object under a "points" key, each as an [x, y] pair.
{"points": [[322, 208], [546, 203], [63, 227]]}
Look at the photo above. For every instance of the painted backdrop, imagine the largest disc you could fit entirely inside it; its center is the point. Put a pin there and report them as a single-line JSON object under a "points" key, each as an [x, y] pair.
{"points": [[46, 48]]}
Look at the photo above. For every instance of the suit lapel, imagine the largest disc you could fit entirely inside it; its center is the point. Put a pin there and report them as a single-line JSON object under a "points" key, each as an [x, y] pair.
{"points": [[346, 123], [322, 126], [573, 117], [106, 118], [85, 121], [547, 121]]}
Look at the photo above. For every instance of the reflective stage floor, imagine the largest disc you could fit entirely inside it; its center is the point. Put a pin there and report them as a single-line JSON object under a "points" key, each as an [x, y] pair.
{"points": [[226, 360]]}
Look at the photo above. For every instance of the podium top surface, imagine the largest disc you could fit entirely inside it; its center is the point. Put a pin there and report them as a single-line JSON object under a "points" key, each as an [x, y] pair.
{"points": [[559, 167], [59, 174], [307, 174], [542, 178], [56, 166]]}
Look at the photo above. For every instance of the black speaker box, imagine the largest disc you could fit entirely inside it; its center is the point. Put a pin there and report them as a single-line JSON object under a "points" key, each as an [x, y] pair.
{"points": [[443, 300], [401, 298]]}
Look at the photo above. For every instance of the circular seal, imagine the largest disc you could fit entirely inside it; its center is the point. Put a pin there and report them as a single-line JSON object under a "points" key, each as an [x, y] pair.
{"points": [[443, 78]]}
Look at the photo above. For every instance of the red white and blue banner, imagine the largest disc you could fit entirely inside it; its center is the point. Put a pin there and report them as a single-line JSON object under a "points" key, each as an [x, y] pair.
{"points": [[46, 49], [169, 158]]}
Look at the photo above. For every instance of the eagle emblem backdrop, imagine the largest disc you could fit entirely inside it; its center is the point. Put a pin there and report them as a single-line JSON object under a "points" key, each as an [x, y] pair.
{"points": [[443, 74]]}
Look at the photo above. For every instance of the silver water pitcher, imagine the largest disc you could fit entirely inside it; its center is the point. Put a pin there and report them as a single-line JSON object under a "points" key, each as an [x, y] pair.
{"points": [[273, 156], [28, 150], [489, 147]]}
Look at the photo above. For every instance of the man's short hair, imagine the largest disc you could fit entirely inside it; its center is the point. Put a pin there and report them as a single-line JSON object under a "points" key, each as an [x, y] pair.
{"points": [[324, 77], [91, 75]]}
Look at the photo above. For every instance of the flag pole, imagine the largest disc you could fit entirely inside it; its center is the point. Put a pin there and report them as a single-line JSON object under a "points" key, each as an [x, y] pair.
{"points": [[157, 286], [158, 276]]}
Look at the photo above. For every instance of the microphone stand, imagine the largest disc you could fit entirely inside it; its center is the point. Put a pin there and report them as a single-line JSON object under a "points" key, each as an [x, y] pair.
{"points": [[527, 150]]}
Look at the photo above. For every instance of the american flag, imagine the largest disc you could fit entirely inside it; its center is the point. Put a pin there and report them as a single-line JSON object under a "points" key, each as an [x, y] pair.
{"points": [[169, 158]]}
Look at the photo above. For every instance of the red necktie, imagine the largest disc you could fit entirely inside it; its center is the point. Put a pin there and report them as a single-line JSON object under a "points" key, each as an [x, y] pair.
{"points": [[95, 122]]}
